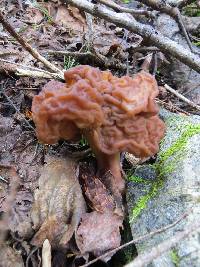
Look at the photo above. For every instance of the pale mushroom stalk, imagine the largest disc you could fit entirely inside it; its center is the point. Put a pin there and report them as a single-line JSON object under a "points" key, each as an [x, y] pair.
{"points": [[106, 162]]}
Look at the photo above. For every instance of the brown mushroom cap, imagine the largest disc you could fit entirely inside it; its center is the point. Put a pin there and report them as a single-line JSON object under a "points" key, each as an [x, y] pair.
{"points": [[121, 113]]}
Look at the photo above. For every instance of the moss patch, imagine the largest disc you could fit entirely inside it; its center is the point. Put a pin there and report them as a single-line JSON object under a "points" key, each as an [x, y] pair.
{"points": [[165, 166], [137, 179]]}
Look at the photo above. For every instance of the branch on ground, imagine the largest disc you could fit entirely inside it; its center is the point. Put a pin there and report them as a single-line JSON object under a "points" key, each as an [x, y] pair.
{"points": [[131, 11], [148, 256], [9, 67], [165, 44], [28, 47]]}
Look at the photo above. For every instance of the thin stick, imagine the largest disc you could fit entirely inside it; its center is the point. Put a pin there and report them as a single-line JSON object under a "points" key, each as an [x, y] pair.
{"points": [[23, 66], [172, 11], [98, 58], [78, 55], [28, 71], [31, 50], [30, 255], [180, 96], [165, 44], [111, 252], [46, 253], [131, 11], [147, 257]]}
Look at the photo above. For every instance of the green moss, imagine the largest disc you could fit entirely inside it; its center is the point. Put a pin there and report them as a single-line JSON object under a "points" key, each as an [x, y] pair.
{"points": [[137, 179], [191, 10], [165, 166], [175, 257]]}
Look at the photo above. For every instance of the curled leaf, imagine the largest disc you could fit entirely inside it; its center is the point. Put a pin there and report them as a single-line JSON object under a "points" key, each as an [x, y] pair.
{"points": [[99, 232], [59, 203]]}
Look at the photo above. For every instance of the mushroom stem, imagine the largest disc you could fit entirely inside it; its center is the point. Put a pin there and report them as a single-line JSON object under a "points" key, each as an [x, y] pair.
{"points": [[106, 162]]}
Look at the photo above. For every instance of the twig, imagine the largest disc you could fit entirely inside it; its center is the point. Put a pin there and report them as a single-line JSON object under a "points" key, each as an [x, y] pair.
{"points": [[172, 108], [22, 70], [180, 96], [30, 255], [146, 49], [98, 58], [79, 55], [183, 28], [131, 11], [113, 251], [172, 11], [46, 254], [147, 257], [28, 47], [4, 179], [37, 74], [165, 44]]}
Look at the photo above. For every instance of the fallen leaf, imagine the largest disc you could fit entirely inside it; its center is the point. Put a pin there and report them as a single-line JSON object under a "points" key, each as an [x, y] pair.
{"points": [[20, 215], [9, 257], [98, 233], [100, 198], [58, 204], [100, 191], [71, 18], [34, 15]]}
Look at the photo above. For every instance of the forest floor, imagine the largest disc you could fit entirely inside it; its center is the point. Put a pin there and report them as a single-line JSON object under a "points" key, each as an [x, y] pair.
{"points": [[50, 27]]}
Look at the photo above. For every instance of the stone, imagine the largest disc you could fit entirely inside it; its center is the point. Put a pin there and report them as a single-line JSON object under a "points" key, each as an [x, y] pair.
{"points": [[161, 201], [181, 77]]}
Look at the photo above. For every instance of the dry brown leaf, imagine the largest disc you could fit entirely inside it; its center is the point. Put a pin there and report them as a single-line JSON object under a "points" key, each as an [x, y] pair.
{"points": [[20, 217], [99, 233], [34, 15], [75, 12], [59, 203], [100, 198], [9, 257], [70, 18]]}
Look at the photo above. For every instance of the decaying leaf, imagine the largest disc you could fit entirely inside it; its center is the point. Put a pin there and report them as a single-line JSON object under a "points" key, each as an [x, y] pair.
{"points": [[9, 257], [99, 232], [96, 192], [71, 18], [34, 15], [20, 215], [58, 204], [100, 191]]}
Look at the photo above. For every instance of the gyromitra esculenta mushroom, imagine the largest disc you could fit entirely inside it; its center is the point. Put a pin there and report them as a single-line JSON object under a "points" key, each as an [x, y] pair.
{"points": [[114, 114]]}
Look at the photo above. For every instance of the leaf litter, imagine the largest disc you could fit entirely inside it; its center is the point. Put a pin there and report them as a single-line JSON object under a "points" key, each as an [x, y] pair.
{"points": [[58, 204], [50, 201]]}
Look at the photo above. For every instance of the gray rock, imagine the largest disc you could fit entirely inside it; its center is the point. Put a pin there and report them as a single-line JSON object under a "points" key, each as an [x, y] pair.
{"points": [[157, 203], [182, 77]]}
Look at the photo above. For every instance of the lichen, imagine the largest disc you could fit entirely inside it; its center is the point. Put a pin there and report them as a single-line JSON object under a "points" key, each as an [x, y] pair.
{"points": [[167, 161], [175, 257]]}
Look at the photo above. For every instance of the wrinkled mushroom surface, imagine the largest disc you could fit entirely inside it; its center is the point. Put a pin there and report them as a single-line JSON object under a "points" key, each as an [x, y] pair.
{"points": [[120, 113], [114, 114]]}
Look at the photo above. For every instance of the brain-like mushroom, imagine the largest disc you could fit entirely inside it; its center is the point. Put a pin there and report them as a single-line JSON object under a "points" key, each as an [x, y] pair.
{"points": [[114, 114]]}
